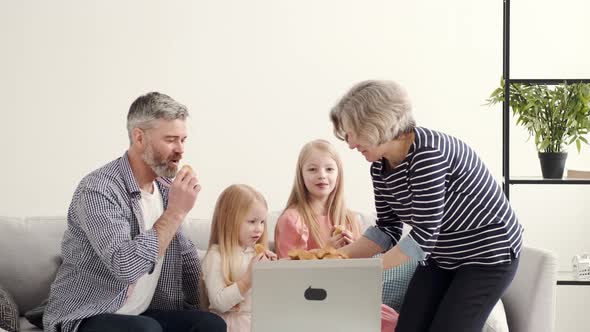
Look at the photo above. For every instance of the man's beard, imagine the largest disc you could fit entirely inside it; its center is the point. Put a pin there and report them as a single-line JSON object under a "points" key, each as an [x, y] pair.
{"points": [[158, 163]]}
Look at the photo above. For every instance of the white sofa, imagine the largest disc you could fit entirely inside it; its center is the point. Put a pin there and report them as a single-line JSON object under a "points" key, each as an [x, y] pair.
{"points": [[30, 249], [29, 256]]}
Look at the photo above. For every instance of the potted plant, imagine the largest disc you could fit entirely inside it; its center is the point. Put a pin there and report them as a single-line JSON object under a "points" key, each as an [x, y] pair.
{"points": [[555, 116]]}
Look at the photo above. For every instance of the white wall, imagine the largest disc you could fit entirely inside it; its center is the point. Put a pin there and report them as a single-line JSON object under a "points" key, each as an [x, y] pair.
{"points": [[260, 77]]}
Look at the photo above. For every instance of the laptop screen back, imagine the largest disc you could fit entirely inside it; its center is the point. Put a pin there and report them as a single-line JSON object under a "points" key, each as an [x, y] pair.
{"points": [[317, 295]]}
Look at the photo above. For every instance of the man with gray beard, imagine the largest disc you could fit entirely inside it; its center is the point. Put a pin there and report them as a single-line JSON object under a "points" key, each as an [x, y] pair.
{"points": [[127, 266]]}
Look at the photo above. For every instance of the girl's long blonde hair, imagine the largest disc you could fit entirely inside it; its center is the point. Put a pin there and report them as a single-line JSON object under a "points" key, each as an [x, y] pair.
{"points": [[231, 209], [300, 198]]}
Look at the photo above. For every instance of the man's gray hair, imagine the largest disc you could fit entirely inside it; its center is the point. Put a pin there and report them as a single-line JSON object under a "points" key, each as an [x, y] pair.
{"points": [[378, 111], [150, 107]]}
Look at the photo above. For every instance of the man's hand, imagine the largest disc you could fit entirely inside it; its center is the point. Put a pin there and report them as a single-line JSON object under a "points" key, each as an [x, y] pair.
{"points": [[181, 199], [183, 193]]}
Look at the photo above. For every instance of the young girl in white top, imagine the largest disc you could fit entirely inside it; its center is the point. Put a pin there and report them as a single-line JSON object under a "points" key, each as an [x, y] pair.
{"points": [[239, 222]]}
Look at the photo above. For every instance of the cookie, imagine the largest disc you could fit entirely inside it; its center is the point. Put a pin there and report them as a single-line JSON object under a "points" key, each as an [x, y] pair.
{"points": [[259, 248]]}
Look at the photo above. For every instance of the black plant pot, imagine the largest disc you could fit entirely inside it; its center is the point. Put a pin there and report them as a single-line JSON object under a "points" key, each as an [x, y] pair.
{"points": [[552, 164]]}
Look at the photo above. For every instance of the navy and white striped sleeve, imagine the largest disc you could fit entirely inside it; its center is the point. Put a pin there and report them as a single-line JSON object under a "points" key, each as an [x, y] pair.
{"points": [[388, 230], [102, 220], [427, 180]]}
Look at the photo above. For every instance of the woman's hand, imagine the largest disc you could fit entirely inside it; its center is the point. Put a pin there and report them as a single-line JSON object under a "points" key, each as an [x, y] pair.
{"points": [[361, 248], [394, 257]]}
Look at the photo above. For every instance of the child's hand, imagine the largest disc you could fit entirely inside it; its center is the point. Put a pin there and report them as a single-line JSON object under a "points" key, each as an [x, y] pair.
{"points": [[340, 239], [270, 255], [259, 248], [245, 283], [336, 241], [253, 261], [348, 237]]}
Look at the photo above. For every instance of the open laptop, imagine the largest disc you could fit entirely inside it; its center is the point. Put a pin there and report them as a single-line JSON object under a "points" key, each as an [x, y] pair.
{"points": [[340, 295]]}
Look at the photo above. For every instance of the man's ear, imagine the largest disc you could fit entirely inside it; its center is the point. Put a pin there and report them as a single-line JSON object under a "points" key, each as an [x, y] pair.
{"points": [[138, 137]]}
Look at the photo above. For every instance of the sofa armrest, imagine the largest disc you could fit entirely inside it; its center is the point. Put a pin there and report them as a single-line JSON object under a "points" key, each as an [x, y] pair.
{"points": [[530, 300]]}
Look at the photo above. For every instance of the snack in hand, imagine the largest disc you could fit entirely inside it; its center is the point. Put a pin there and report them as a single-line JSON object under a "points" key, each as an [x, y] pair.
{"points": [[338, 229], [188, 168], [259, 248]]}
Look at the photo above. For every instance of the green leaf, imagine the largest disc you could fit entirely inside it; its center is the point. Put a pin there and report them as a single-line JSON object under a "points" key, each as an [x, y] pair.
{"points": [[555, 116]]}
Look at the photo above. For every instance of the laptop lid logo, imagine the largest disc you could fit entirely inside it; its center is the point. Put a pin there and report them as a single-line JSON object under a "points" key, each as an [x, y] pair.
{"points": [[315, 294]]}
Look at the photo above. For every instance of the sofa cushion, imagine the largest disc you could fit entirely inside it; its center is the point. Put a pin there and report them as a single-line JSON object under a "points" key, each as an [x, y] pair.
{"points": [[30, 250], [9, 320], [35, 315], [395, 283], [25, 326], [198, 231], [496, 322]]}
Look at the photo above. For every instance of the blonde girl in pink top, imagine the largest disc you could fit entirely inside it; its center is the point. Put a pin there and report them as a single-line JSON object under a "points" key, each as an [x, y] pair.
{"points": [[316, 206], [239, 222]]}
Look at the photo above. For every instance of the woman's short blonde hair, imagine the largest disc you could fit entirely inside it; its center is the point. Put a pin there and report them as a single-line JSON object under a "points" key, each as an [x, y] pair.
{"points": [[378, 111]]}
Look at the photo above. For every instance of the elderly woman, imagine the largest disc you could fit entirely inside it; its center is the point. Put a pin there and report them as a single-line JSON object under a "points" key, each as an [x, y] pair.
{"points": [[464, 232]]}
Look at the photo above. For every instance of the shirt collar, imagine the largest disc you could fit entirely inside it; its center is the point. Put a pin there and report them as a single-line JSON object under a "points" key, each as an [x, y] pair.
{"points": [[128, 178]]}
